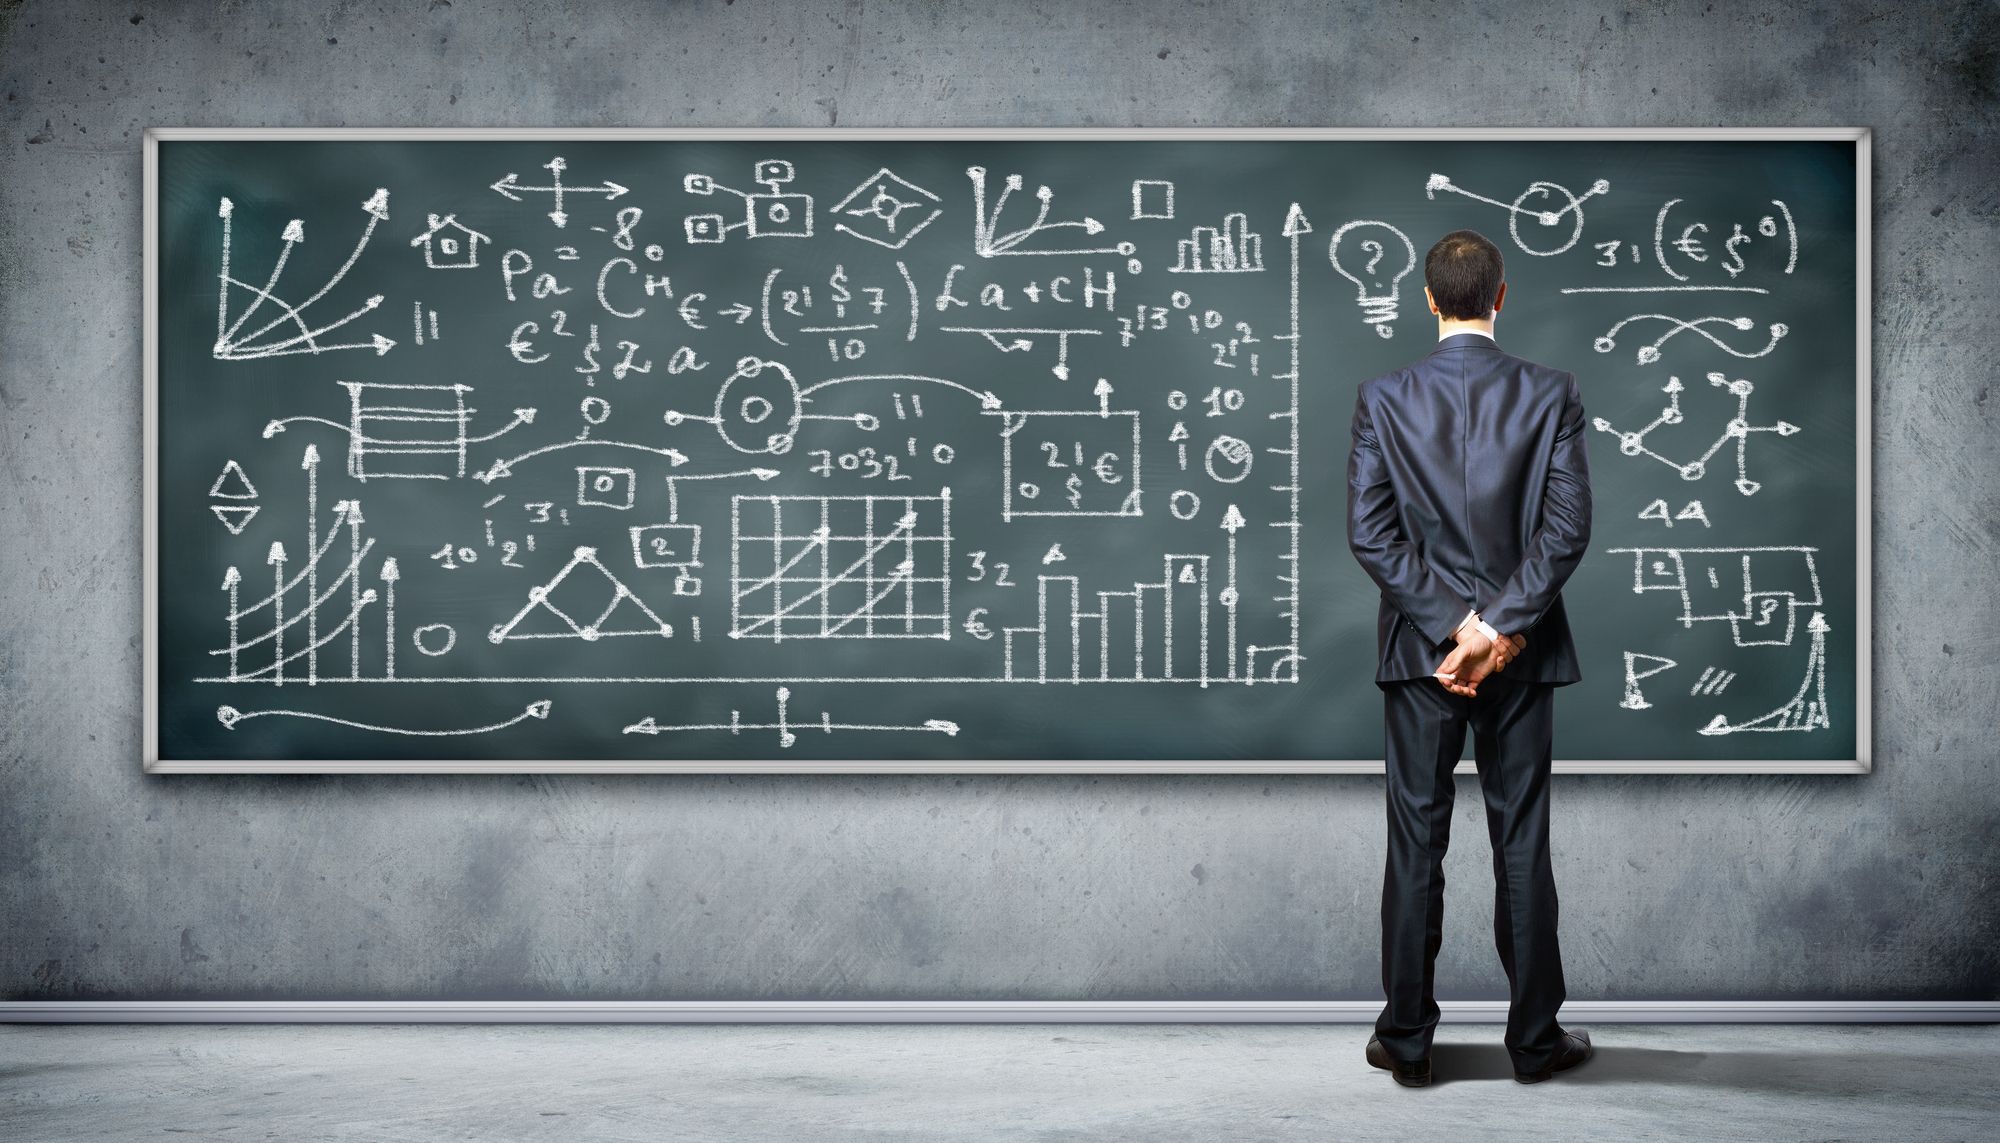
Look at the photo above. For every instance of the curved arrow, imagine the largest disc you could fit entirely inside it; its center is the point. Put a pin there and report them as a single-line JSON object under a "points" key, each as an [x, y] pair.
{"points": [[229, 716]]}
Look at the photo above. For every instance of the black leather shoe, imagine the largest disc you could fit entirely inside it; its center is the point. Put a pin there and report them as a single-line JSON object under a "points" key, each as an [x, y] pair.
{"points": [[1409, 1075], [1573, 1050]]}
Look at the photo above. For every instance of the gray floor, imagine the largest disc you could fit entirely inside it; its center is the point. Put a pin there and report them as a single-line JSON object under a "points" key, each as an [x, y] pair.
{"points": [[958, 1082]]}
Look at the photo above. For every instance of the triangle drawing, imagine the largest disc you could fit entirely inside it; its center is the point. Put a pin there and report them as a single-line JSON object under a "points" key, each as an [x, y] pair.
{"points": [[235, 517], [231, 484], [582, 601]]}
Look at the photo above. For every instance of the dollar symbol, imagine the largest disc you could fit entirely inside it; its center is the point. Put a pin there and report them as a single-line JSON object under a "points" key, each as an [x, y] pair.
{"points": [[1075, 486], [841, 295], [1735, 240]]}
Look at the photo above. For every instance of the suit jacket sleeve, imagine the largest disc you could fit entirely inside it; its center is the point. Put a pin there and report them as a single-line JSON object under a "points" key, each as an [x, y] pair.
{"points": [[1560, 539], [1375, 535]]}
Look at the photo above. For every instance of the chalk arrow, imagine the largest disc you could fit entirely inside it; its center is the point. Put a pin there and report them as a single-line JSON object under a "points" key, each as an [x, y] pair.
{"points": [[1103, 395], [521, 417], [1786, 428], [1233, 521], [232, 577], [390, 572], [741, 311], [1295, 222], [506, 186], [310, 457], [378, 204], [277, 555]]}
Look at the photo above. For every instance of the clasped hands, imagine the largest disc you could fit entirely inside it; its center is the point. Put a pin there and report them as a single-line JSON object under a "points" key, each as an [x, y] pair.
{"points": [[1476, 657]]}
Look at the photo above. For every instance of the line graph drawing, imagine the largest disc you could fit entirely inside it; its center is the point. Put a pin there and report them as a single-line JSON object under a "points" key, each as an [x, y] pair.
{"points": [[230, 717], [989, 242], [347, 519], [1806, 709], [231, 344], [509, 187], [880, 219], [1737, 428], [872, 567], [1757, 591], [1648, 354], [392, 429], [1546, 192], [788, 728], [566, 595]]}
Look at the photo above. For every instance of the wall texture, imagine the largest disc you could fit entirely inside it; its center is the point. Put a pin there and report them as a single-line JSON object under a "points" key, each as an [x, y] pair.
{"points": [[114, 885]]}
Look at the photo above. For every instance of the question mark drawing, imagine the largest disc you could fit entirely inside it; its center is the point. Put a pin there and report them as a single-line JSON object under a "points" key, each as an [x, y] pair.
{"points": [[1376, 258]]}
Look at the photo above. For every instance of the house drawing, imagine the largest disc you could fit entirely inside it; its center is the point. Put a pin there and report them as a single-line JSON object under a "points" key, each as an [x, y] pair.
{"points": [[450, 244]]}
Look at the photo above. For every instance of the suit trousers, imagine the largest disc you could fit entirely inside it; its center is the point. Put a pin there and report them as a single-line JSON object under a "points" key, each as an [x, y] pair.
{"points": [[1513, 725]]}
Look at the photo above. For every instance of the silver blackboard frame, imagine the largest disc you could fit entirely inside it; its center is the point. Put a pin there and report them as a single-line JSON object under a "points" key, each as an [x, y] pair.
{"points": [[1861, 137]]}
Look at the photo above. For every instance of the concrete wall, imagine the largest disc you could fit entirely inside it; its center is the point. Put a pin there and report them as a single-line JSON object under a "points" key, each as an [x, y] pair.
{"points": [[116, 885]]}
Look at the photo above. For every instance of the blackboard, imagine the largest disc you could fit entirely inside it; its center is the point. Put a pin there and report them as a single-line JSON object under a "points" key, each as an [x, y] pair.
{"points": [[975, 450]]}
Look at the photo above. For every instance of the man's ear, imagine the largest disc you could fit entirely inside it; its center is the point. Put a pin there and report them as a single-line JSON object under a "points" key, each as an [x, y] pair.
{"points": [[1432, 302], [1499, 297]]}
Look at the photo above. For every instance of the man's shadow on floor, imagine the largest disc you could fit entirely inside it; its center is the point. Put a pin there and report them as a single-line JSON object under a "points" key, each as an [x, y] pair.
{"points": [[1613, 1064]]}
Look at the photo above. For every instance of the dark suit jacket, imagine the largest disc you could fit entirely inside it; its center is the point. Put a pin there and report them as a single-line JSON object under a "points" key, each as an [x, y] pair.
{"points": [[1469, 486]]}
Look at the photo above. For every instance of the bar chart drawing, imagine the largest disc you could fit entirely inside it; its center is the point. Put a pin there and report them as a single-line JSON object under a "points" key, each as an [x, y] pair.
{"points": [[1232, 248], [1176, 629]]}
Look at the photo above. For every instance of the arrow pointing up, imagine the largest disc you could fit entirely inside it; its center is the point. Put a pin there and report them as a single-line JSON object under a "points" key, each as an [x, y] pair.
{"points": [[1295, 222], [1232, 520]]}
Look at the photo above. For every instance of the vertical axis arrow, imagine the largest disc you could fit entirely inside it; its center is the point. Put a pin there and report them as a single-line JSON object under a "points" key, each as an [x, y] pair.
{"points": [[390, 574], [1295, 225], [354, 588], [1232, 522], [310, 462], [230, 579], [277, 561]]}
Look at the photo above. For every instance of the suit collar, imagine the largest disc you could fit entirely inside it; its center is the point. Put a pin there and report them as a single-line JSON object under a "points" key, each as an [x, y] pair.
{"points": [[1466, 341]]}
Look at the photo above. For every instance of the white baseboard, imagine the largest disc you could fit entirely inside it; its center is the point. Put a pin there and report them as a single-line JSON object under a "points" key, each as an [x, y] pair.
{"points": [[968, 1012]]}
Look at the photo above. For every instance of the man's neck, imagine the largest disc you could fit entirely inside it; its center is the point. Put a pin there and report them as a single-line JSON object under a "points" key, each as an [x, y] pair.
{"points": [[1447, 327]]}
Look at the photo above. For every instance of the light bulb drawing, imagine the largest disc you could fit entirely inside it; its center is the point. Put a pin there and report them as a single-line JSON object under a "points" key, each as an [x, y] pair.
{"points": [[1374, 256]]}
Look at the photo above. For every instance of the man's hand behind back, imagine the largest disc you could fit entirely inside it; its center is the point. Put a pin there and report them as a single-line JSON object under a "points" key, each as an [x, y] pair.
{"points": [[1476, 657]]}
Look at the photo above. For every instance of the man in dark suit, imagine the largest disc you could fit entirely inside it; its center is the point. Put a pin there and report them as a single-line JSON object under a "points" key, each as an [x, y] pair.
{"points": [[1468, 503]]}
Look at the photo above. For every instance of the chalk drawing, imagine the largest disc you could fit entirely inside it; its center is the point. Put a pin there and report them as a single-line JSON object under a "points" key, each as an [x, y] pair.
{"points": [[894, 211], [1546, 195], [1648, 354], [624, 613], [1806, 710], [788, 728], [770, 213], [229, 716], [1232, 248], [231, 344], [989, 242], [1375, 256], [449, 244], [1737, 428], [509, 187]]}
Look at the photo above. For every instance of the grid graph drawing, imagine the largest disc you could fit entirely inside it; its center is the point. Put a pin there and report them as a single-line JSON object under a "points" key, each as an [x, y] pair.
{"points": [[840, 567]]}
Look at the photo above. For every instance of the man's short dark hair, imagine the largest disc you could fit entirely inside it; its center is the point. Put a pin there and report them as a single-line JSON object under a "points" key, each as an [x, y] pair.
{"points": [[1464, 272]]}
